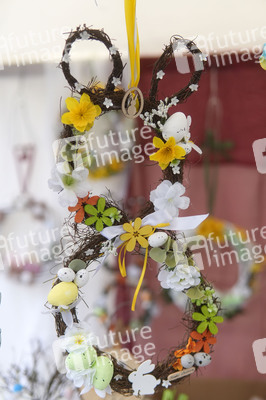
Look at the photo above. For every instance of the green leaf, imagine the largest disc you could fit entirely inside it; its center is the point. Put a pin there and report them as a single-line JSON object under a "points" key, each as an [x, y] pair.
{"points": [[107, 221], [218, 319], [157, 254], [90, 220], [204, 310], [99, 225], [168, 244], [195, 293], [101, 204], [198, 316], [110, 212], [90, 209], [170, 260], [213, 328], [202, 327]]}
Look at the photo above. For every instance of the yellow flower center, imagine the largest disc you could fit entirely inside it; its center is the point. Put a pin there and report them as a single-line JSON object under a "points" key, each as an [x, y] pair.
{"points": [[79, 339]]}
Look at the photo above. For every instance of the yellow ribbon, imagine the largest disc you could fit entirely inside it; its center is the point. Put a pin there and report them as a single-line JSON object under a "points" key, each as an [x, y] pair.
{"points": [[133, 41], [122, 263]]}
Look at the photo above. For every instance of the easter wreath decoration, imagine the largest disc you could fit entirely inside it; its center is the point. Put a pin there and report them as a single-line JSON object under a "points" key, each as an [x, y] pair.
{"points": [[100, 227]]}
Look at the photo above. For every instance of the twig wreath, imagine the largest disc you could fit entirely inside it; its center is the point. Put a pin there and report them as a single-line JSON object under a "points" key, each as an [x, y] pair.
{"points": [[102, 227]]}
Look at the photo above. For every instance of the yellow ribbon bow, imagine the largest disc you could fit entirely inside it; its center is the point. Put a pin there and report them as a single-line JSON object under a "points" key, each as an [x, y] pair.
{"points": [[135, 233]]}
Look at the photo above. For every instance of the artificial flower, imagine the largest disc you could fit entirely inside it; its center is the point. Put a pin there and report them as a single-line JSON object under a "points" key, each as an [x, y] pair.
{"points": [[79, 207], [169, 197], [99, 216], [170, 254], [207, 320], [113, 50], [107, 102], [190, 348], [193, 87], [182, 277], [116, 81], [136, 233], [167, 152], [77, 339], [81, 114], [160, 74], [203, 340], [212, 227], [108, 247], [70, 185]]}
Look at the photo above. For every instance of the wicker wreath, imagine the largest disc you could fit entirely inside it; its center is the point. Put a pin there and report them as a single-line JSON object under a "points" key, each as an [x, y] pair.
{"points": [[100, 226]]}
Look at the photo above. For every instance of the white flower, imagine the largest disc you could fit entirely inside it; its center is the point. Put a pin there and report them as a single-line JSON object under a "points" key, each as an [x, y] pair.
{"points": [[84, 35], [113, 50], [169, 197], [89, 252], [166, 383], [116, 81], [77, 338], [107, 102], [175, 169], [160, 74], [66, 58], [70, 184], [78, 86], [174, 101], [82, 378], [193, 87], [182, 277]]}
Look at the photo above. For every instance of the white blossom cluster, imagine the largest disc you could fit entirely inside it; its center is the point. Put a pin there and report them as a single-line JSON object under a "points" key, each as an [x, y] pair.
{"points": [[162, 112]]}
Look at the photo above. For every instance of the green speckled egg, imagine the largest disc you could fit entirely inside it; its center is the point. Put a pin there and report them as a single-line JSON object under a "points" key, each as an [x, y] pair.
{"points": [[63, 294], [81, 361], [104, 373]]}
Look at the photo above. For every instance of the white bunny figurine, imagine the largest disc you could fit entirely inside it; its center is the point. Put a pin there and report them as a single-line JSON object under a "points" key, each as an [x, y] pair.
{"points": [[143, 384]]}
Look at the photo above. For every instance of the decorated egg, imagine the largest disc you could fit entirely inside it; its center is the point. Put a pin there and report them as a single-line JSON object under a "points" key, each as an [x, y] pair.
{"points": [[63, 294], [202, 359], [82, 277], [263, 62], [158, 239], [81, 361], [77, 264], [104, 373], [187, 361], [177, 126], [66, 274]]}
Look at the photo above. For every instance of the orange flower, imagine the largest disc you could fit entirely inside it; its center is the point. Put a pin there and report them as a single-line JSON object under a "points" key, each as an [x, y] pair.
{"points": [[79, 207], [203, 340], [177, 365], [190, 348]]}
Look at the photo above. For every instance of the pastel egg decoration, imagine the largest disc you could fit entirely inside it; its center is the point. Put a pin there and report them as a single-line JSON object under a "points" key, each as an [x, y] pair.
{"points": [[77, 264], [66, 274], [104, 373], [158, 239], [187, 361], [177, 126], [202, 359], [63, 294], [81, 361], [82, 277]]}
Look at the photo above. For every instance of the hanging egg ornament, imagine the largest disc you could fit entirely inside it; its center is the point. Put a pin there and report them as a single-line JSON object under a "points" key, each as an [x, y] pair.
{"points": [[81, 361], [66, 274], [63, 294], [104, 373], [158, 239], [202, 359], [81, 278], [77, 264], [263, 62], [187, 361]]}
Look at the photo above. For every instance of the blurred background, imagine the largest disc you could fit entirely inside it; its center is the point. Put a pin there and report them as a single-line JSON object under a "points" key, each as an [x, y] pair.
{"points": [[228, 115]]}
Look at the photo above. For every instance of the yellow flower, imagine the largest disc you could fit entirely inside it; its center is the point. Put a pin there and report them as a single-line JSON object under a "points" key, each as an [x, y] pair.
{"points": [[212, 225], [135, 233], [81, 114], [167, 152]]}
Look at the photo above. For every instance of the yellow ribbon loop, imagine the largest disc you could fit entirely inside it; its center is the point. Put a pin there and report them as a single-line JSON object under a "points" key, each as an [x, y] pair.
{"points": [[133, 41]]}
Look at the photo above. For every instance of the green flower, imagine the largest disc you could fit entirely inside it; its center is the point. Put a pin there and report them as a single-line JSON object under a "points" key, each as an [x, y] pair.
{"points": [[170, 254], [99, 216], [208, 320], [116, 215]]}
